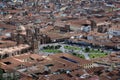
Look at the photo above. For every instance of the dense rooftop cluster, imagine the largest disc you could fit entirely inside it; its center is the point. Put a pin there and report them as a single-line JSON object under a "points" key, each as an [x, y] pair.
{"points": [[25, 25]]}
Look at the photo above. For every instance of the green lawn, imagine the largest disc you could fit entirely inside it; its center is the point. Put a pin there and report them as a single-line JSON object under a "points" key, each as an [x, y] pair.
{"points": [[93, 51], [97, 55], [79, 55], [72, 48], [52, 50]]}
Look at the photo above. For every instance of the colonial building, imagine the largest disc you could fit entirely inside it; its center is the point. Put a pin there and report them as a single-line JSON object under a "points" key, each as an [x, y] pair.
{"points": [[15, 50], [114, 31], [31, 36]]}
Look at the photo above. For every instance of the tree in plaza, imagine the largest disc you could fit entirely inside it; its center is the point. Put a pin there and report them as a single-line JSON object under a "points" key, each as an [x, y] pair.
{"points": [[87, 49]]}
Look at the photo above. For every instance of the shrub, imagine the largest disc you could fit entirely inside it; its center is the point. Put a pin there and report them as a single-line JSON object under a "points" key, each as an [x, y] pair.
{"points": [[87, 49]]}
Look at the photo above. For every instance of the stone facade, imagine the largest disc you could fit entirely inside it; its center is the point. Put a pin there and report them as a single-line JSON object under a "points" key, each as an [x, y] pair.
{"points": [[31, 36]]}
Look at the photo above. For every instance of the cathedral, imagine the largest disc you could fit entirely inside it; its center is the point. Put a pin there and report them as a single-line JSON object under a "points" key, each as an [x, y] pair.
{"points": [[31, 36]]}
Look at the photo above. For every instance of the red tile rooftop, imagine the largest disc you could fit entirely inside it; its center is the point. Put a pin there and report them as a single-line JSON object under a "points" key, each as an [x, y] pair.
{"points": [[79, 23], [6, 26], [13, 49], [55, 35], [5, 44], [93, 33], [60, 77], [10, 63], [26, 78], [79, 60], [116, 27], [14, 11], [98, 41], [24, 59]]}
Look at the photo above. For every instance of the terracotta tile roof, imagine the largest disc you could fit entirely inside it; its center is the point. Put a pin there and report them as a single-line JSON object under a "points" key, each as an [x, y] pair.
{"points": [[5, 44], [60, 77], [93, 33], [115, 28], [79, 60], [12, 49], [9, 27]]}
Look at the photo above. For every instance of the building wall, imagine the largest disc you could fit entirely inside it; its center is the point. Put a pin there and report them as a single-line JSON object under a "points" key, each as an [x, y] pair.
{"points": [[114, 32], [90, 37], [86, 28]]}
